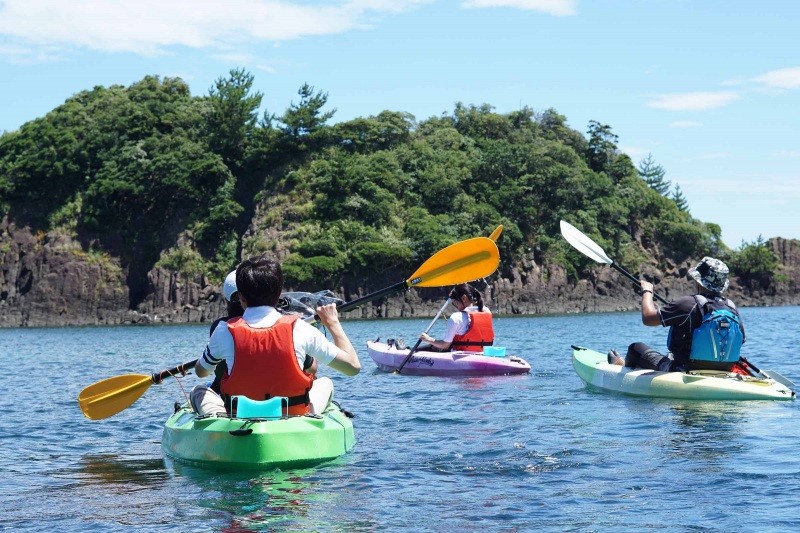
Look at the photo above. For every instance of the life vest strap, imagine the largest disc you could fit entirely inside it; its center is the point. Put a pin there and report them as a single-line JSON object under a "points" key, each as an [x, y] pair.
{"points": [[472, 343]]}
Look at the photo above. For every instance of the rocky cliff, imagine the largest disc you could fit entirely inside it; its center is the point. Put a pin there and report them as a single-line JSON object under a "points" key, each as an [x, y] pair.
{"points": [[51, 280]]}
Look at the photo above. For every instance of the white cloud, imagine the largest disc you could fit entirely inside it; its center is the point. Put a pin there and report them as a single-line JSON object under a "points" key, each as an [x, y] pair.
{"points": [[152, 26], [560, 8], [700, 101], [786, 153], [784, 78], [683, 124]]}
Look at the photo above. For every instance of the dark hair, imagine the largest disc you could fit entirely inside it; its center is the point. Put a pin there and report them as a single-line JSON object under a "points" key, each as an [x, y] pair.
{"points": [[466, 289], [260, 281], [235, 307]]}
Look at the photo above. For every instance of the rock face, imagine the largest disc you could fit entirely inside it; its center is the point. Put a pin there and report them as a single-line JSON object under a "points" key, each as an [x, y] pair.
{"points": [[50, 280]]}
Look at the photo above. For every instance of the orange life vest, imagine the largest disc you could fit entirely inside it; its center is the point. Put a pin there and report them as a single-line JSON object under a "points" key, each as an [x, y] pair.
{"points": [[480, 333], [265, 365]]}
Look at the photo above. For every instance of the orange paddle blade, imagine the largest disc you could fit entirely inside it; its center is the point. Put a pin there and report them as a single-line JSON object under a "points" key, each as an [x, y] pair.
{"points": [[110, 396], [461, 262], [496, 233]]}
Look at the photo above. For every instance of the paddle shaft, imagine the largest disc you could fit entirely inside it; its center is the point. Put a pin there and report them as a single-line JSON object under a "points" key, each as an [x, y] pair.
{"points": [[636, 280], [493, 236], [373, 296], [419, 341], [181, 369], [347, 306]]}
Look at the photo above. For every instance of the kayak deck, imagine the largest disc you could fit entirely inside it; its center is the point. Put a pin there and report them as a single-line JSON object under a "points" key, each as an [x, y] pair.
{"points": [[457, 363], [594, 369], [294, 442]]}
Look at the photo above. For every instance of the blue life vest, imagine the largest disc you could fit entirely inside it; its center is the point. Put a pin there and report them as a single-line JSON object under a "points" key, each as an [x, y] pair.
{"points": [[719, 337]]}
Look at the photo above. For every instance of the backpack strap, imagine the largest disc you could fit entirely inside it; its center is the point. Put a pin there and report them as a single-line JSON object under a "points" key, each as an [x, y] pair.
{"points": [[701, 301]]}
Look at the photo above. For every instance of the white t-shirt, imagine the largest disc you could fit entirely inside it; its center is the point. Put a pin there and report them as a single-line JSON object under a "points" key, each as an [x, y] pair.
{"points": [[458, 323], [308, 340]]}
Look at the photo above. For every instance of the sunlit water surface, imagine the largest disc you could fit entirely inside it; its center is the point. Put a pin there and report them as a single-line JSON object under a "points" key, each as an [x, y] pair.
{"points": [[534, 452]]}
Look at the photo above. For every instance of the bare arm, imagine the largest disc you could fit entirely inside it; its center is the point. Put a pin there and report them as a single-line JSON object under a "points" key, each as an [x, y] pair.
{"points": [[346, 360], [439, 344], [649, 311]]}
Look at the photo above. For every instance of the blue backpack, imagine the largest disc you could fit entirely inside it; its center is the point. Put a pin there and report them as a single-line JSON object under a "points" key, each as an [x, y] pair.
{"points": [[719, 337]]}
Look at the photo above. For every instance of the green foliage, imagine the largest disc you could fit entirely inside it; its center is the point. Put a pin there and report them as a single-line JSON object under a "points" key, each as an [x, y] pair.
{"points": [[304, 123], [680, 200], [755, 263], [653, 174], [306, 272], [139, 169], [602, 146], [184, 260], [232, 116], [680, 240]]}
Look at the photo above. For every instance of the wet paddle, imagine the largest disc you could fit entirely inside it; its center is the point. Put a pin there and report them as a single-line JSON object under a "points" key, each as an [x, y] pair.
{"points": [[493, 236], [593, 251], [458, 263]]}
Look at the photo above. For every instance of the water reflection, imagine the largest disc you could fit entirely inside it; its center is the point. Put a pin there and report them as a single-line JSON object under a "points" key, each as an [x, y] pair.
{"points": [[709, 430], [111, 469], [253, 501]]}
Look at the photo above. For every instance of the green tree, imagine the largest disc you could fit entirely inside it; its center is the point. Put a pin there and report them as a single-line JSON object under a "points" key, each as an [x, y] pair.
{"points": [[755, 263], [602, 148], [304, 123], [233, 116], [680, 199], [653, 174]]}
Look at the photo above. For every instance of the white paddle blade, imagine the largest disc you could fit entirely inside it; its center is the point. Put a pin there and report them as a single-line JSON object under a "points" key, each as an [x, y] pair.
{"points": [[780, 379], [583, 244]]}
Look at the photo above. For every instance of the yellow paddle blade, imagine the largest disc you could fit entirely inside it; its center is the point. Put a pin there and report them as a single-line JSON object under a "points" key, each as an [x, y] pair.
{"points": [[496, 233], [110, 396], [458, 263]]}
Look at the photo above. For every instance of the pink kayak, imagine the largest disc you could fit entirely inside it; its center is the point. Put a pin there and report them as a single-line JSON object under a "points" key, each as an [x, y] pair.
{"points": [[389, 358]]}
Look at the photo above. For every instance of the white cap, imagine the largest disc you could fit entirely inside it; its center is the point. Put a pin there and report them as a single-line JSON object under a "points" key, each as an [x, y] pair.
{"points": [[229, 287]]}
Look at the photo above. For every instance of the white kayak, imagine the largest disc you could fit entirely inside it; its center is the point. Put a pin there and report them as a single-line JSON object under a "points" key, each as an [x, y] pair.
{"points": [[594, 369], [456, 363]]}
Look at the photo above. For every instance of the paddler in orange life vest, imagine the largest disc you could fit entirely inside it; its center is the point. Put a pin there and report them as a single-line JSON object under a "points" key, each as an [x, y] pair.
{"points": [[266, 352], [470, 329]]}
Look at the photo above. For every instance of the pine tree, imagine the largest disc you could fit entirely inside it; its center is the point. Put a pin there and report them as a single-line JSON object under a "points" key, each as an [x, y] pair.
{"points": [[653, 174], [680, 199]]}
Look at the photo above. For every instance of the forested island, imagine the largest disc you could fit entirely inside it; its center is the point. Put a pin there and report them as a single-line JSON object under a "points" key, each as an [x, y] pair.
{"points": [[130, 204]]}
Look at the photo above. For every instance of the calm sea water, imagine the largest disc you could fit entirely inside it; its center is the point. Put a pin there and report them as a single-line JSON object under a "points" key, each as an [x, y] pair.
{"points": [[536, 452]]}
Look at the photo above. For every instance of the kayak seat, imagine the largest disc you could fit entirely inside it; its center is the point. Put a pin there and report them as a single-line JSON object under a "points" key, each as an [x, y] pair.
{"points": [[274, 408]]}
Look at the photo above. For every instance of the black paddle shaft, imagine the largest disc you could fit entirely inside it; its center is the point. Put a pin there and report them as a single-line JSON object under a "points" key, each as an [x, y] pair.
{"points": [[635, 280], [181, 369], [408, 357], [347, 306]]}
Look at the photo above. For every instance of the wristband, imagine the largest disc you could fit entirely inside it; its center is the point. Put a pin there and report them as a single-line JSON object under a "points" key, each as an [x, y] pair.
{"points": [[647, 290]]}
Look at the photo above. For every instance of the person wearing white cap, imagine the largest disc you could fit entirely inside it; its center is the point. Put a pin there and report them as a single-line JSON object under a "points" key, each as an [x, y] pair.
{"points": [[231, 297], [684, 316], [269, 354]]}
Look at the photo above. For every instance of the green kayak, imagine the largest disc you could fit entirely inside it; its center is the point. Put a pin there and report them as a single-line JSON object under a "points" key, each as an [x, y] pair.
{"points": [[293, 442], [593, 368]]}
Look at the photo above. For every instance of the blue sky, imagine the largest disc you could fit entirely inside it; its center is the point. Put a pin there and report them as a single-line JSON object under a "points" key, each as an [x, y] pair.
{"points": [[710, 88]]}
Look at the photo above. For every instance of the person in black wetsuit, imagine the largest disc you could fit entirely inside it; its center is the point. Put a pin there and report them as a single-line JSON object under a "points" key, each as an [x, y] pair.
{"points": [[682, 316]]}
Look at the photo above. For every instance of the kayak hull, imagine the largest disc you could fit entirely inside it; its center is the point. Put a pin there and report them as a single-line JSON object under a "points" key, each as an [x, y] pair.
{"points": [[293, 442], [422, 363], [593, 369]]}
